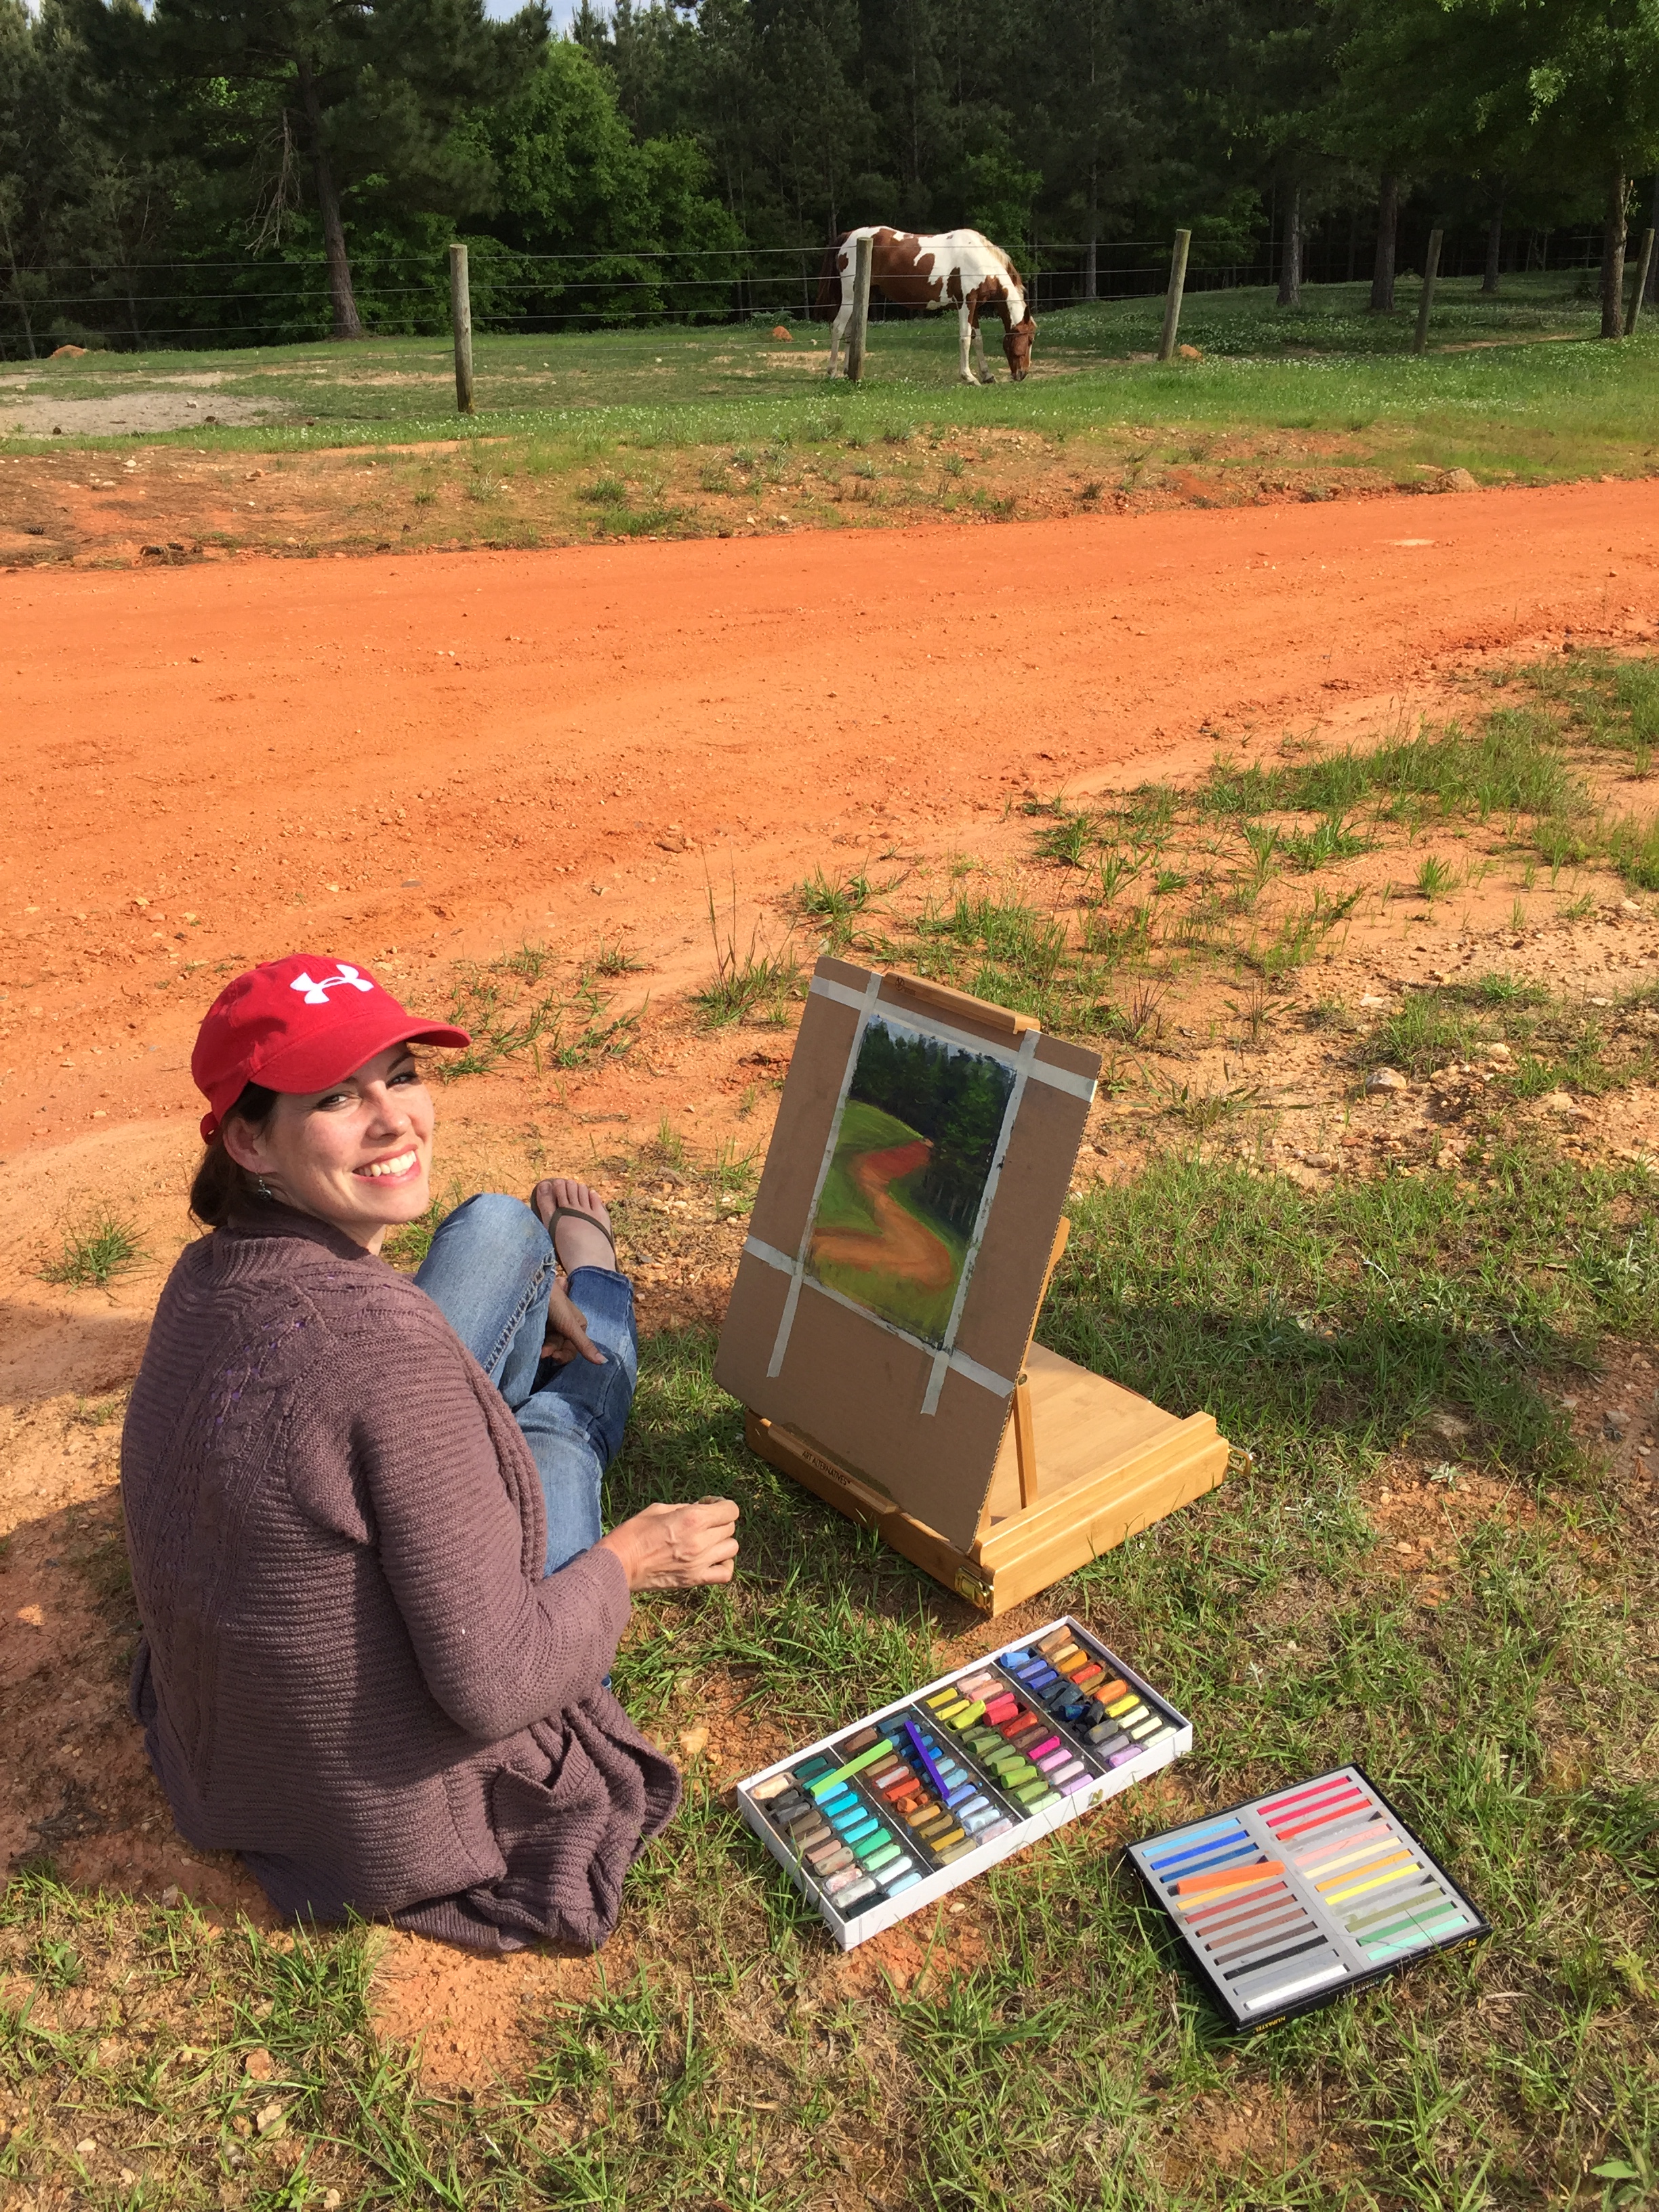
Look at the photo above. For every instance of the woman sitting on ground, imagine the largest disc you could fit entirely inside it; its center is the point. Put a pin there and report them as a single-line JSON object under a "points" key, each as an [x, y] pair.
{"points": [[363, 1511]]}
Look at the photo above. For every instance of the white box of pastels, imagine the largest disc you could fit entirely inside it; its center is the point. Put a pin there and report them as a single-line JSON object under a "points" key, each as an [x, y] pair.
{"points": [[876, 1821]]}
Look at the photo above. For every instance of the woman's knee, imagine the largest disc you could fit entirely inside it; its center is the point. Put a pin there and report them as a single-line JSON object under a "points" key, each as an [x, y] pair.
{"points": [[505, 1224]]}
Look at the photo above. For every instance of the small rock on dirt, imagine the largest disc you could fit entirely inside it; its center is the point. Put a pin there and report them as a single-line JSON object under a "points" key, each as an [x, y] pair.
{"points": [[692, 1741], [1458, 480], [269, 2120], [1615, 1425], [1382, 1079], [259, 2065]]}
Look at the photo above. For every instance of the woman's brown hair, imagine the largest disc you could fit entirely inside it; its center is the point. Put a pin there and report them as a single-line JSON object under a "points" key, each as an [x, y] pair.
{"points": [[221, 1188]]}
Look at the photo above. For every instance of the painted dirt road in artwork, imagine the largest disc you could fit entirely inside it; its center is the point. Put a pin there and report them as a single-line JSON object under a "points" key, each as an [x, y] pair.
{"points": [[896, 1220], [899, 1245]]}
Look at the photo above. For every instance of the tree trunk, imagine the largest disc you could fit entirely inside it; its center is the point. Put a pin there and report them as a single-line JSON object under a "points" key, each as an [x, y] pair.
{"points": [[1388, 236], [1653, 266], [346, 322], [1092, 251], [1613, 257], [1289, 251], [1494, 247]]}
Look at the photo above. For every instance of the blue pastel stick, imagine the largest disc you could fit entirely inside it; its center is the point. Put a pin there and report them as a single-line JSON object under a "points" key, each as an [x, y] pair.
{"points": [[920, 1750]]}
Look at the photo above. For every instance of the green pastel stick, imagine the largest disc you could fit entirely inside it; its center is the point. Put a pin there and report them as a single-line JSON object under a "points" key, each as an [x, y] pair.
{"points": [[865, 1758]]}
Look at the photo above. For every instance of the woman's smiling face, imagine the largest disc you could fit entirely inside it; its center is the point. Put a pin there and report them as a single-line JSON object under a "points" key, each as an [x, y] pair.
{"points": [[357, 1155]]}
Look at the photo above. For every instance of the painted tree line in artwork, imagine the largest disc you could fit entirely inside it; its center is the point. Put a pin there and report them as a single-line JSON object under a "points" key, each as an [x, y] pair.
{"points": [[956, 1099], [274, 168]]}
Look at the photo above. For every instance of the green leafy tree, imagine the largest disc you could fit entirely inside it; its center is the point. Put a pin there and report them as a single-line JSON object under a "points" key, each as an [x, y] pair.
{"points": [[635, 229], [347, 107], [1593, 71]]}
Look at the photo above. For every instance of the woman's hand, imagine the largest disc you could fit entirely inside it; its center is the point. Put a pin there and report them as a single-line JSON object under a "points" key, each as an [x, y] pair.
{"points": [[566, 1337], [677, 1547]]}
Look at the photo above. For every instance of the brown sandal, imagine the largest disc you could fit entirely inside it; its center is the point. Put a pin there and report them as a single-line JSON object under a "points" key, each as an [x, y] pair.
{"points": [[575, 1213]]}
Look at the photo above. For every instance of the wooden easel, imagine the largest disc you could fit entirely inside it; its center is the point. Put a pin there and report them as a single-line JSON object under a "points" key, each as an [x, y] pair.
{"points": [[1084, 1464]]}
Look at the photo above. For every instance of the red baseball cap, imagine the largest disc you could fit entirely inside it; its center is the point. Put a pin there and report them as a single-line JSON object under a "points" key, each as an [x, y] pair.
{"points": [[299, 1025]]}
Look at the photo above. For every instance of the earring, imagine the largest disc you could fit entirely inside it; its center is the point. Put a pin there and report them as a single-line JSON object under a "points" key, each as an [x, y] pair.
{"points": [[263, 1187]]}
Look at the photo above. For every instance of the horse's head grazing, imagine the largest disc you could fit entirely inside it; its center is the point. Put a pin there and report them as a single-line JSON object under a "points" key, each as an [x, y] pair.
{"points": [[1017, 344]]}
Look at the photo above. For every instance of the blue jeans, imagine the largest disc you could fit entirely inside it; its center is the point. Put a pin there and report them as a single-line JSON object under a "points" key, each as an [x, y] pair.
{"points": [[489, 1273]]}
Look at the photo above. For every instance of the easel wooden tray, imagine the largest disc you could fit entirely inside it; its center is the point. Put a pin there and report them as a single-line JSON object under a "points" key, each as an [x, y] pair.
{"points": [[1109, 1464]]}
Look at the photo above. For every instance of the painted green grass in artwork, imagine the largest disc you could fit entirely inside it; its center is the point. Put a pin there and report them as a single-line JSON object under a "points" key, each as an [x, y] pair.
{"points": [[842, 1205]]}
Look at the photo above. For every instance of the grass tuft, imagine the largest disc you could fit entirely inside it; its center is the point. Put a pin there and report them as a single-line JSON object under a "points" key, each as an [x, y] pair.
{"points": [[748, 983], [94, 1251]]}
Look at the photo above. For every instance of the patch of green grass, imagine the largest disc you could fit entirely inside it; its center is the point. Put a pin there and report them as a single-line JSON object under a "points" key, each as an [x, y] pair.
{"points": [[1606, 699], [507, 1015], [1331, 838], [1058, 2053], [1512, 764], [1068, 839], [835, 907], [998, 948], [604, 492], [748, 984], [95, 1250], [1555, 1043], [575, 398]]}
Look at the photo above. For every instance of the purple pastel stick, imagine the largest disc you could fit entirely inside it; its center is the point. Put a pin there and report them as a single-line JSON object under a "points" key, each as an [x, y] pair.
{"points": [[920, 1750]]}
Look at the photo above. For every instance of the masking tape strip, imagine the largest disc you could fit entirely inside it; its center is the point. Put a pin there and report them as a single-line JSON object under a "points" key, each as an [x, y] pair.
{"points": [[1026, 1062], [756, 1248], [865, 1002], [1039, 1071]]}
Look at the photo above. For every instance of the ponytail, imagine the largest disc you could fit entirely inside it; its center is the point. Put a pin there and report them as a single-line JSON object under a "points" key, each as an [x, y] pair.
{"points": [[221, 1187]]}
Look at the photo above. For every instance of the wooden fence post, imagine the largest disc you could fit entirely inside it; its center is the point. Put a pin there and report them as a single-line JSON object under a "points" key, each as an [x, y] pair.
{"points": [[460, 314], [1166, 344], [1637, 297], [862, 248], [1425, 306]]}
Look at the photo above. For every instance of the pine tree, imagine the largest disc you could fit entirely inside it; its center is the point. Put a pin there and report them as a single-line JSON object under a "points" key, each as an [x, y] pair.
{"points": [[356, 99]]}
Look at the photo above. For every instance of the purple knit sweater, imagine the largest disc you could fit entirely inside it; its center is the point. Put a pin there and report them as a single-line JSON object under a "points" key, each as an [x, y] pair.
{"points": [[353, 1672]]}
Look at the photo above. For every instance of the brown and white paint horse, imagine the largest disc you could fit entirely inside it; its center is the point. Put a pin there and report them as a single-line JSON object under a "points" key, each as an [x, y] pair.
{"points": [[951, 269]]}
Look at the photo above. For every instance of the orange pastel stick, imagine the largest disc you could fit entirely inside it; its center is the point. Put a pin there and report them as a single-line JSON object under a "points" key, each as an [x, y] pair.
{"points": [[1193, 1885]]}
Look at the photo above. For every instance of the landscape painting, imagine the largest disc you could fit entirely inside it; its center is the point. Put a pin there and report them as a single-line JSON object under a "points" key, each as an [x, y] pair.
{"points": [[917, 1135]]}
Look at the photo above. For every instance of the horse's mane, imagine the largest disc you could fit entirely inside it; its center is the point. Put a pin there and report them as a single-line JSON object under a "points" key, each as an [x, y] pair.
{"points": [[1015, 278]]}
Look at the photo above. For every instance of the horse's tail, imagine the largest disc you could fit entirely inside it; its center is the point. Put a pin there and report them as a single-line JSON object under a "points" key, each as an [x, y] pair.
{"points": [[827, 305]]}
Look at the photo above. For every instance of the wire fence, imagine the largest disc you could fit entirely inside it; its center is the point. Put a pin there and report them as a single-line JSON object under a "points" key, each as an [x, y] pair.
{"points": [[272, 301]]}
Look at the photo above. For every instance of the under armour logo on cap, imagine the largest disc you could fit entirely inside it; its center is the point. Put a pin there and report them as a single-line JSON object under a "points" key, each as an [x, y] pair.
{"points": [[316, 994]]}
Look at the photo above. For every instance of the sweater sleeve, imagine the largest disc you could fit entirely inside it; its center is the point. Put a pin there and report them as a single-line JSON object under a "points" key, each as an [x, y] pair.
{"points": [[497, 1648]]}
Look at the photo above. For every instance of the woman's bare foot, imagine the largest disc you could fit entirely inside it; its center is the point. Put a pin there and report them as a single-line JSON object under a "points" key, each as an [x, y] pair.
{"points": [[578, 1242]]}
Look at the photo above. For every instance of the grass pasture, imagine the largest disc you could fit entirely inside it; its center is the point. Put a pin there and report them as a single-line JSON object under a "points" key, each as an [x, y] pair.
{"points": [[1040, 2045], [678, 432]]}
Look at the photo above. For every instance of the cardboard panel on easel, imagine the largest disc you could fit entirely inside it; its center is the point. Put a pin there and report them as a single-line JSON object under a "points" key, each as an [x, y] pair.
{"points": [[858, 1384]]}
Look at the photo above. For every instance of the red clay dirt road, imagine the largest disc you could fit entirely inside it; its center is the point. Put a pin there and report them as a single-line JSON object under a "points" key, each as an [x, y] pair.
{"points": [[442, 753], [899, 1245]]}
